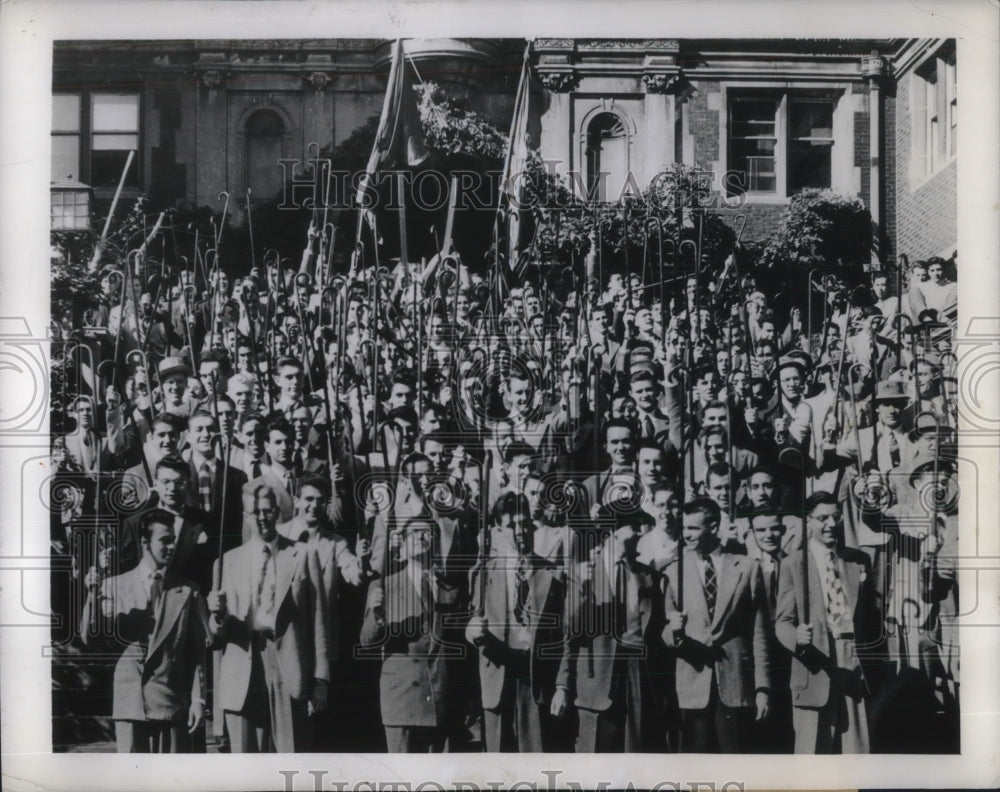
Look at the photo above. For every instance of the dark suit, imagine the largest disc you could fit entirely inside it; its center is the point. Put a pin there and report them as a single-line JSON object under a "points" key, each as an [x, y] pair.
{"points": [[614, 643], [273, 672], [722, 662], [162, 669], [518, 682], [827, 679], [197, 545], [420, 665], [230, 522]]}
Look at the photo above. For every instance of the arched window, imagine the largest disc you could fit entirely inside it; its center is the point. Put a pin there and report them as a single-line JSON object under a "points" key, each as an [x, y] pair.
{"points": [[265, 132], [607, 157]]}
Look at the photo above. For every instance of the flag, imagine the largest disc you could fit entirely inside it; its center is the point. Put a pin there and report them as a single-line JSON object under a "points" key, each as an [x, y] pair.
{"points": [[399, 141], [513, 212]]}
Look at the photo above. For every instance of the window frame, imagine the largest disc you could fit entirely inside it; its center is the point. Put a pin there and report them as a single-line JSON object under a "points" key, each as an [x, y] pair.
{"points": [[85, 135], [933, 115], [783, 95]]}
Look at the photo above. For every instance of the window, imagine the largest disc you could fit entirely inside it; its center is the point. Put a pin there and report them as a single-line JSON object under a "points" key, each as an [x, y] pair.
{"points": [[607, 157], [781, 143], [935, 114], [265, 133], [92, 134]]}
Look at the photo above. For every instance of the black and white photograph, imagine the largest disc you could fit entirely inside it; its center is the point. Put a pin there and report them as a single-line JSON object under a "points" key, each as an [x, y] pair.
{"points": [[425, 394]]}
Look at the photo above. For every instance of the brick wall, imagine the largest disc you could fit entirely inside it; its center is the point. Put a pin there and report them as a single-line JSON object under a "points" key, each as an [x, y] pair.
{"points": [[926, 211]]}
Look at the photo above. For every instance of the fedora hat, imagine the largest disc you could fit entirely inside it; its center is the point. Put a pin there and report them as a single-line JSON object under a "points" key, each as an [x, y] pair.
{"points": [[890, 391], [173, 365]]}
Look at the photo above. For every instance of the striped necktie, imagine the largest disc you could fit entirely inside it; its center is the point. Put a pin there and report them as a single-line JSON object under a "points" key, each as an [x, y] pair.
{"points": [[711, 588]]}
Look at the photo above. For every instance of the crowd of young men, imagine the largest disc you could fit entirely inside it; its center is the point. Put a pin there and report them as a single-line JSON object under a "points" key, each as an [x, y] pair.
{"points": [[418, 509]]}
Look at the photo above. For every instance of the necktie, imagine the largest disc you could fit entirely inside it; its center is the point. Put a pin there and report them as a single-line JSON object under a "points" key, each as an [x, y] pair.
{"points": [[205, 486], [836, 600], [265, 587], [647, 428], [155, 589], [893, 450], [711, 588], [773, 595], [522, 589], [255, 470], [620, 599]]}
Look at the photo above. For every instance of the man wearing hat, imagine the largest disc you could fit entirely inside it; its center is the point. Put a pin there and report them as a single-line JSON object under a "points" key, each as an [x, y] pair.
{"points": [[173, 374], [886, 446], [927, 390]]}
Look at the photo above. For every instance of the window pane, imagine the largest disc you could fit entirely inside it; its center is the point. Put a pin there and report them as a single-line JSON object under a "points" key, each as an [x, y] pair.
{"points": [[810, 119], [115, 113], [65, 157], [752, 143], [106, 168], [115, 142], [66, 113], [808, 165]]}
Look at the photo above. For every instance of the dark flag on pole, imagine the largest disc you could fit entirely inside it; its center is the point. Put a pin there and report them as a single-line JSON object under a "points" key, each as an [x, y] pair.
{"points": [[513, 215], [399, 142]]}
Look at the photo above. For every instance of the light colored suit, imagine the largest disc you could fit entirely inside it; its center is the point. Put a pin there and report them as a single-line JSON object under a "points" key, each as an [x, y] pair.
{"points": [[300, 633], [827, 680]]}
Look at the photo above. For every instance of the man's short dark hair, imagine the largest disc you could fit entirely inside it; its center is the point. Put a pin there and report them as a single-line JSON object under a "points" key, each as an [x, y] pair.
{"points": [[175, 463], [765, 511], [617, 423], [407, 464], [150, 518], [818, 498], [319, 483], [287, 361], [719, 470], [280, 424], [166, 419], [705, 506]]}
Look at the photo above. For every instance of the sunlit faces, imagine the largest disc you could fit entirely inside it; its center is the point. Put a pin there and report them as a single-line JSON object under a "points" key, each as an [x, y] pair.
{"points": [[768, 531], [227, 416], [280, 445], [925, 376], [434, 451], [715, 448], [889, 413], [430, 421], [823, 524], [880, 285], [252, 437], [699, 531], [163, 438], [174, 388], [650, 465], [644, 391], [289, 381], [665, 507], [717, 487], [419, 474], [301, 420], [790, 381], [401, 395], [161, 543], [706, 385], [83, 411], [262, 506], [171, 488], [519, 391], [714, 416], [624, 407], [208, 373], [935, 272], [619, 445], [242, 393], [760, 489], [311, 505], [199, 434]]}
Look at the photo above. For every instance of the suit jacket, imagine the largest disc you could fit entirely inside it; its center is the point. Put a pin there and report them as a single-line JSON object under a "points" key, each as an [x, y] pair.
{"points": [[549, 651], [728, 650], [300, 622], [599, 487], [197, 544], [163, 665], [337, 565], [420, 658], [814, 665], [594, 651]]}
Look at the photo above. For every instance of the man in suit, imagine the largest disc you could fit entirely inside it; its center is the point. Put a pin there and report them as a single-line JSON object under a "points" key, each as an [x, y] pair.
{"points": [[159, 684], [339, 567], [619, 479], [269, 618], [614, 616], [85, 446], [518, 599], [827, 679], [887, 444], [196, 538], [417, 694], [280, 474], [216, 487], [767, 532], [720, 638]]}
